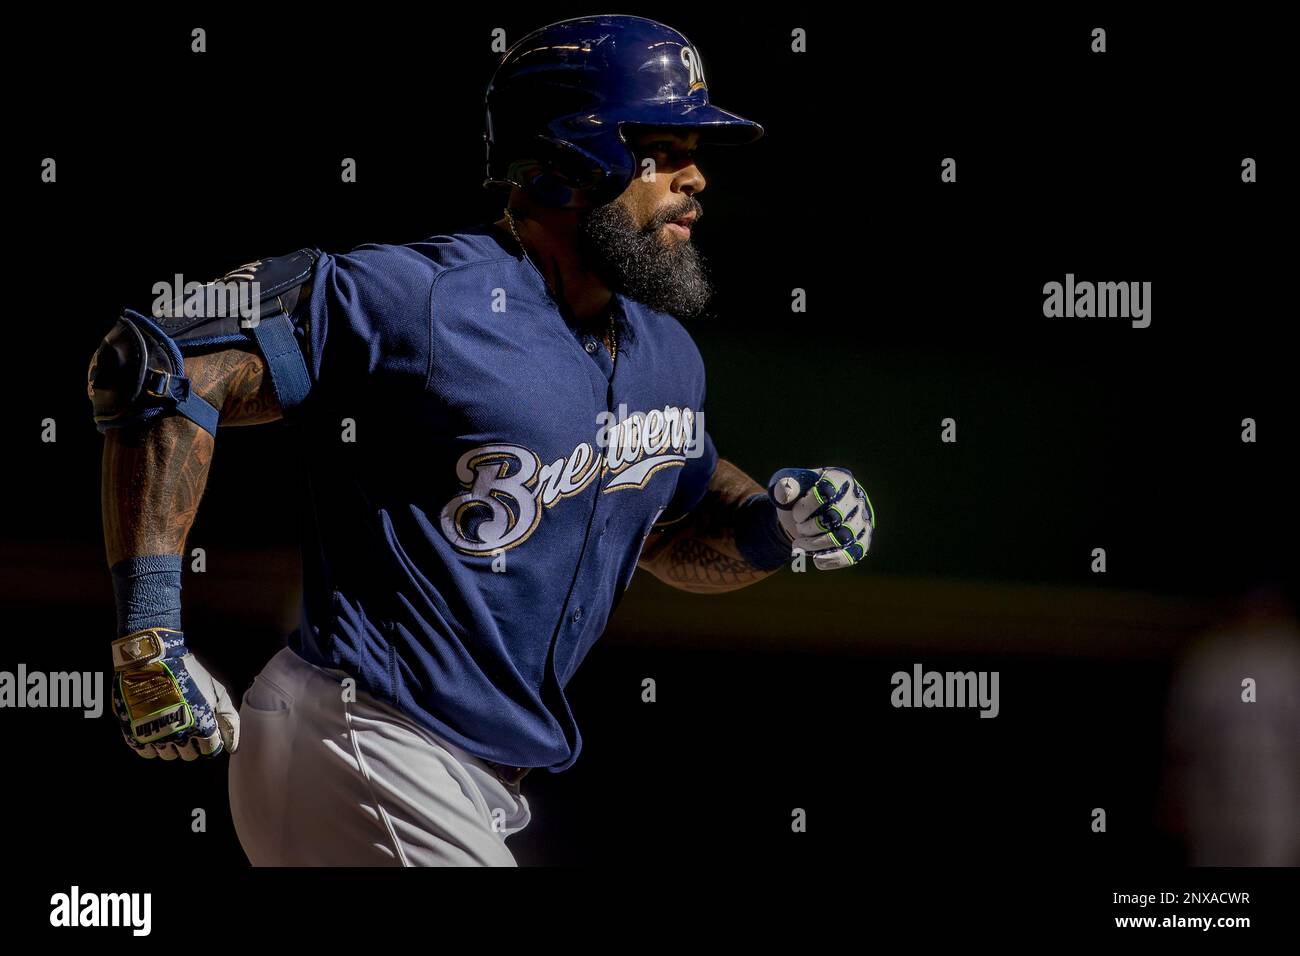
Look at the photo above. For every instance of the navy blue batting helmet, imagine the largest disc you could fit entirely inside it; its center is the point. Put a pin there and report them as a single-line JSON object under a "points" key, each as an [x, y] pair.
{"points": [[558, 103]]}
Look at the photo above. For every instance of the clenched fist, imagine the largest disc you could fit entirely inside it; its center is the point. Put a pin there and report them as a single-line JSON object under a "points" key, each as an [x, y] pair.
{"points": [[166, 702], [825, 512]]}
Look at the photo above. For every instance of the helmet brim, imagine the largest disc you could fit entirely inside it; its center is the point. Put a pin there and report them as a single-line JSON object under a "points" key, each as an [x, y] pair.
{"points": [[715, 125]]}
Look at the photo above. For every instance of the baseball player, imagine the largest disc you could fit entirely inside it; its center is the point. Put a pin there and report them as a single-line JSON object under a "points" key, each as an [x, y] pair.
{"points": [[497, 426]]}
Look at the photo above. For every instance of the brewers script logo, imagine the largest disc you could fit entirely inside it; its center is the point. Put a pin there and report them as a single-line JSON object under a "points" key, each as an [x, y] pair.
{"points": [[505, 487]]}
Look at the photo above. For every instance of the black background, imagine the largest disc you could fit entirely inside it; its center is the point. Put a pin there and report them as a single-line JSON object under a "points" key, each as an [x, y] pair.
{"points": [[924, 302]]}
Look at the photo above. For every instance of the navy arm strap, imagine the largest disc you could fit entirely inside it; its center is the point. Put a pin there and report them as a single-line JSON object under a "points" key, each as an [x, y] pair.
{"points": [[284, 361]]}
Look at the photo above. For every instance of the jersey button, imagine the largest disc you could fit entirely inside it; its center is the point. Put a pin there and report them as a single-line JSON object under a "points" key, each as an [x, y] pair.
{"points": [[591, 347], [577, 615]]}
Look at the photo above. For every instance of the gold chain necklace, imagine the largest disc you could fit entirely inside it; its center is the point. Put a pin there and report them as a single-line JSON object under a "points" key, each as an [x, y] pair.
{"points": [[611, 336]]}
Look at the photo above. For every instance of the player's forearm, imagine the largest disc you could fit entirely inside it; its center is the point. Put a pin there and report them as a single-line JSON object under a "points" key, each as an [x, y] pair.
{"points": [[701, 553], [151, 483], [153, 476]]}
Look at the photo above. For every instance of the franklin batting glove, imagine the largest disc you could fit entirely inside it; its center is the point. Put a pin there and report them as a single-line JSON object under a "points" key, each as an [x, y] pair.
{"points": [[166, 702]]}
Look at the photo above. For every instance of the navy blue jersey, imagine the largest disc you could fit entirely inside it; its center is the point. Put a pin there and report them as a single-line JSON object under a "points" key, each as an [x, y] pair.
{"points": [[482, 479]]}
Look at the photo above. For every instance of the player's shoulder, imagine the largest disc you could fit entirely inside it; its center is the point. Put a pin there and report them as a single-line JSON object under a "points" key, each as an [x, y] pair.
{"points": [[478, 245], [422, 260]]}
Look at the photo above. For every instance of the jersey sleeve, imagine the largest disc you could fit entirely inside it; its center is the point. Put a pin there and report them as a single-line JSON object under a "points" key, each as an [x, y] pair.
{"points": [[701, 456], [693, 481], [369, 318]]}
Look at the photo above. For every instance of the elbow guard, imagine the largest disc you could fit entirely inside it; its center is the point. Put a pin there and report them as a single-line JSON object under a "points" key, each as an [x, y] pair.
{"points": [[138, 372]]}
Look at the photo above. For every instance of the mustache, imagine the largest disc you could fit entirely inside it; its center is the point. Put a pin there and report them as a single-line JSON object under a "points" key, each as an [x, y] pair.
{"points": [[688, 206]]}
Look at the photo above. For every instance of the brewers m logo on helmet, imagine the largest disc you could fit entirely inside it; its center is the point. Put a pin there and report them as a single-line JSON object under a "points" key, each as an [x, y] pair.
{"points": [[691, 60]]}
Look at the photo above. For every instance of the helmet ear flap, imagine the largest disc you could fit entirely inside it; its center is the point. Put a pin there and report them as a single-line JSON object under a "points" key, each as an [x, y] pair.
{"points": [[569, 164], [558, 173]]}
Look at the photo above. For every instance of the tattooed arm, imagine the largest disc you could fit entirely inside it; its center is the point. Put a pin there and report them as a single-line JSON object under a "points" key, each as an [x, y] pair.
{"points": [[166, 702], [699, 553], [153, 476]]}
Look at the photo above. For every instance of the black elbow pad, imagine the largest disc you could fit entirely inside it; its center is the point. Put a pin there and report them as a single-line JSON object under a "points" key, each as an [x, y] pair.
{"points": [[138, 372]]}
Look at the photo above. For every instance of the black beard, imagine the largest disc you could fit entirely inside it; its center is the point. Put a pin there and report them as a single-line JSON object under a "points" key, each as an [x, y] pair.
{"points": [[670, 277]]}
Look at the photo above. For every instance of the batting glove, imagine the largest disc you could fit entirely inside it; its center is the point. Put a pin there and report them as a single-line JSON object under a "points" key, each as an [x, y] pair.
{"points": [[166, 702], [826, 513]]}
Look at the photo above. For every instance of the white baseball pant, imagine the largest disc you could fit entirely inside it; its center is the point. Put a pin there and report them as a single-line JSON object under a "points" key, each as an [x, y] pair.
{"points": [[322, 781]]}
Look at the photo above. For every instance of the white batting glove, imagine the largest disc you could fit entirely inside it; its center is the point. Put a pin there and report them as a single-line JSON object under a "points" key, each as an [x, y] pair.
{"points": [[826, 513]]}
